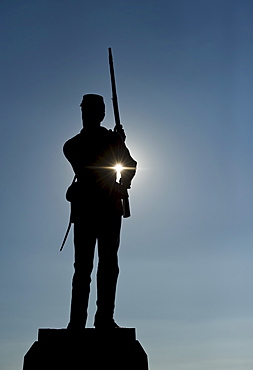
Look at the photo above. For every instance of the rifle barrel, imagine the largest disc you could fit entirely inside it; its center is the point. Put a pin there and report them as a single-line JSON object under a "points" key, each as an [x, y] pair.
{"points": [[114, 92], [126, 205]]}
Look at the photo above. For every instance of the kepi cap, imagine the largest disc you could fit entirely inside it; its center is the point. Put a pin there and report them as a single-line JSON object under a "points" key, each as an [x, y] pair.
{"points": [[92, 99]]}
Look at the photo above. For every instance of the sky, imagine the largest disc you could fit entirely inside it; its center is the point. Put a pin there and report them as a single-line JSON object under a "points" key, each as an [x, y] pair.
{"points": [[184, 78]]}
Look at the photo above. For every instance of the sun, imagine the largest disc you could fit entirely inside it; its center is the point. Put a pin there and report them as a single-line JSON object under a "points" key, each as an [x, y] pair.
{"points": [[118, 168]]}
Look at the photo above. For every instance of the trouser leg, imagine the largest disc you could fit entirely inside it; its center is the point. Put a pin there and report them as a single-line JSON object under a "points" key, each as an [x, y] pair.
{"points": [[108, 269], [84, 240]]}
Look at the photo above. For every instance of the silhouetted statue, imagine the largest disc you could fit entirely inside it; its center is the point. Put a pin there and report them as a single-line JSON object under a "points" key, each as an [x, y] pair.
{"points": [[98, 199], [96, 210]]}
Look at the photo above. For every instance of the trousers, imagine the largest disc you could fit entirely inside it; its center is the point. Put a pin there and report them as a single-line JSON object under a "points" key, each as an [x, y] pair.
{"points": [[105, 231]]}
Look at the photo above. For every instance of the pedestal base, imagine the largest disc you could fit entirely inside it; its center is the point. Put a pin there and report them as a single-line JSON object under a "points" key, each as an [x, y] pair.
{"points": [[86, 349]]}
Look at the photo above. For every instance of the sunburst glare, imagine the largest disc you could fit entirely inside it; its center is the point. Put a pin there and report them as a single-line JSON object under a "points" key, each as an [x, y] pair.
{"points": [[118, 168]]}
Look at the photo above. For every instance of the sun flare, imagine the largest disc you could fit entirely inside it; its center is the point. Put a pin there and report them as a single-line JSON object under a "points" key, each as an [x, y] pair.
{"points": [[118, 168]]}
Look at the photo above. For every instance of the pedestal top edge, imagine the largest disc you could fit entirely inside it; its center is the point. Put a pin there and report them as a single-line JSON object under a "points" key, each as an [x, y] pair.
{"points": [[47, 334]]}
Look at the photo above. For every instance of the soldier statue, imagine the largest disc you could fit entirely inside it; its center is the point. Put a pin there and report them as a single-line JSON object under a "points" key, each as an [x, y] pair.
{"points": [[96, 211]]}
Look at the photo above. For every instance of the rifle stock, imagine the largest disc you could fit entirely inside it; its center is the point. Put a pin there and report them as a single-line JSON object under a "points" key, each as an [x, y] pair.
{"points": [[126, 205]]}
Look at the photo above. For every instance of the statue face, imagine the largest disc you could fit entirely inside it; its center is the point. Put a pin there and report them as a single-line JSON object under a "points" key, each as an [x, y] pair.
{"points": [[93, 113]]}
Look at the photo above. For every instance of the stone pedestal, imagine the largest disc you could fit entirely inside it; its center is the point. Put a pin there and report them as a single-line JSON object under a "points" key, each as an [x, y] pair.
{"points": [[87, 349]]}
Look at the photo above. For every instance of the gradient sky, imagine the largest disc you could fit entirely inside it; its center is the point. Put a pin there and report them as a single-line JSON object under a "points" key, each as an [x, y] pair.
{"points": [[185, 86]]}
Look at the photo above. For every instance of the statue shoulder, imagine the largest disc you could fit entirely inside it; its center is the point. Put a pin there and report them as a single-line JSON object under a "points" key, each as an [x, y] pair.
{"points": [[71, 144]]}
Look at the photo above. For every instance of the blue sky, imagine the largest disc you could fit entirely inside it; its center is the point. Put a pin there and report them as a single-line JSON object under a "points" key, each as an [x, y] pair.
{"points": [[184, 78]]}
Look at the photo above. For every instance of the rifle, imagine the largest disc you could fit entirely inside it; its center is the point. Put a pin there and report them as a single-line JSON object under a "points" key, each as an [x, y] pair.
{"points": [[118, 126]]}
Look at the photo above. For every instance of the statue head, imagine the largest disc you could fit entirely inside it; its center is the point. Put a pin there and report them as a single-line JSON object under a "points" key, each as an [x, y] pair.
{"points": [[93, 109]]}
